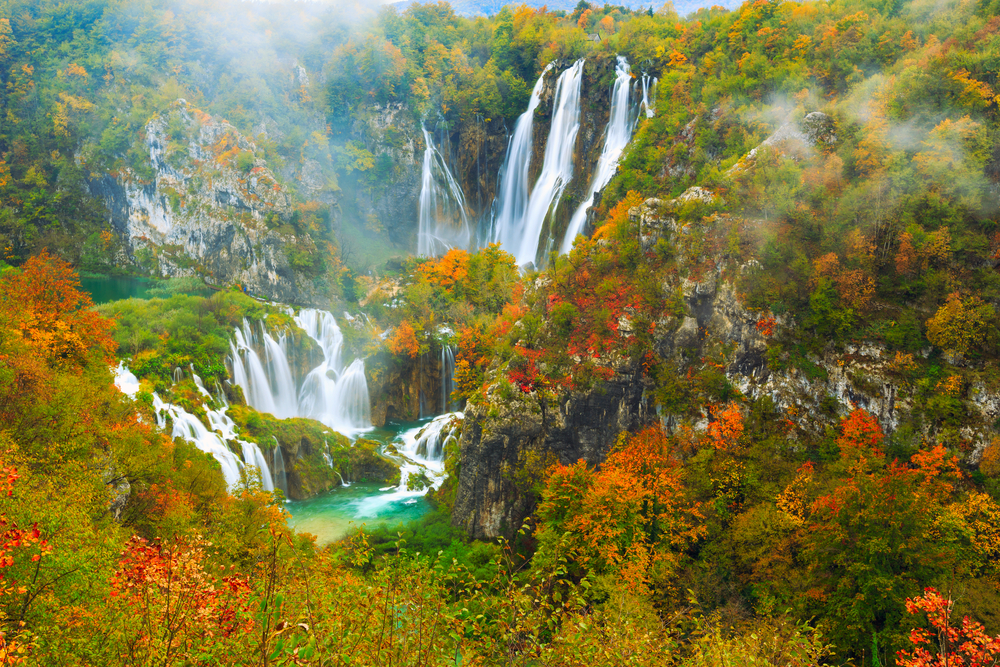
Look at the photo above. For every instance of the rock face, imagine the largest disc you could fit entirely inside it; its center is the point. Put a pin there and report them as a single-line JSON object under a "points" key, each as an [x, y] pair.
{"points": [[404, 391], [508, 442], [204, 208], [507, 445]]}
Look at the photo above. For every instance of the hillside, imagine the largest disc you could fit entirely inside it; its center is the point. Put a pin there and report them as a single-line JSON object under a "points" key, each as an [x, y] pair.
{"points": [[470, 339]]}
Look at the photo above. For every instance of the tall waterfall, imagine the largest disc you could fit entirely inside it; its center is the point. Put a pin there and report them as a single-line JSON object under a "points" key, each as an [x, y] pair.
{"points": [[512, 195], [557, 169], [444, 223], [616, 137], [447, 376], [648, 91], [330, 393]]}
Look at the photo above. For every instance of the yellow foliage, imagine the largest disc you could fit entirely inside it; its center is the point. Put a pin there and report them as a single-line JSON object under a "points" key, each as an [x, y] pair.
{"points": [[74, 70], [989, 463]]}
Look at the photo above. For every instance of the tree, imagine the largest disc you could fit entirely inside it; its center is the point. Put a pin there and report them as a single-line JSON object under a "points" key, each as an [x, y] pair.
{"points": [[45, 309], [943, 645], [960, 324]]}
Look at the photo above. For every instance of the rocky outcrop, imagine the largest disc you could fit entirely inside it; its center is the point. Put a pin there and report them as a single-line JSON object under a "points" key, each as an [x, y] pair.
{"points": [[508, 443], [404, 389], [207, 207]]}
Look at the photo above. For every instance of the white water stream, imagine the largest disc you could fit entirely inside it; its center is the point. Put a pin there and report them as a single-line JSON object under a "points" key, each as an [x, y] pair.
{"points": [[557, 168], [512, 195], [616, 137], [443, 222], [648, 92]]}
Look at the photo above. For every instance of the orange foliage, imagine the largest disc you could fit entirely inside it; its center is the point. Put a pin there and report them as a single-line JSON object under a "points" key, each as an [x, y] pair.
{"points": [[727, 429], [965, 646], [618, 215], [630, 517], [404, 341], [906, 256], [860, 435], [584, 19], [43, 306], [450, 269]]}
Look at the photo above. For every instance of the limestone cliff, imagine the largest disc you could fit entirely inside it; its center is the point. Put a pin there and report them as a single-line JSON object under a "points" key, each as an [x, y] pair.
{"points": [[208, 206]]}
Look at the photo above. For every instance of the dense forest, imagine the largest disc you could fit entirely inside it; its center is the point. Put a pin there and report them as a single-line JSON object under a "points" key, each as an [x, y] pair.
{"points": [[751, 417]]}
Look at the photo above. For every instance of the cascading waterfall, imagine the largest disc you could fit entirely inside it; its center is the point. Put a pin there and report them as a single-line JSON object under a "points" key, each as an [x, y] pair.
{"points": [[330, 393], [280, 478], [616, 137], [557, 168], [512, 194], [443, 222], [421, 451], [648, 91], [447, 375], [214, 441]]}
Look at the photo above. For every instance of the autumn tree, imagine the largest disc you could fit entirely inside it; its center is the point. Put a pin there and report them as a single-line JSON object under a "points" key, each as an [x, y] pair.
{"points": [[630, 517], [944, 644], [44, 307], [961, 324]]}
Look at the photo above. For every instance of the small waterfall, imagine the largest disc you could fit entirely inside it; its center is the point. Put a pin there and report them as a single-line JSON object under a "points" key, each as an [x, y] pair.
{"points": [[330, 393], [443, 221], [213, 439], [421, 451], [189, 427], [178, 374], [557, 169], [616, 137], [252, 456], [447, 376], [512, 193], [648, 92], [126, 381], [278, 465]]}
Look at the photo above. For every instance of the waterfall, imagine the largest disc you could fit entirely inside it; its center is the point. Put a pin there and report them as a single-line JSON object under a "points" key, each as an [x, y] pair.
{"points": [[557, 169], [278, 460], [443, 221], [421, 451], [126, 381], [512, 193], [616, 137], [648, 90], [252, 456], [190, 428], [447, 376], [211, 440], [330, 393]]}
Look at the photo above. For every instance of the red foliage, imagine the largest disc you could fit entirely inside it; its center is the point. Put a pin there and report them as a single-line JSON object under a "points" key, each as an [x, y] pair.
{"points": [[42, 305], [944, 645], [765, 326]]}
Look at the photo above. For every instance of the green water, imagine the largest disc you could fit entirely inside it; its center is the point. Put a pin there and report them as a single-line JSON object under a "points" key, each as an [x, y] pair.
{"points": [[336, 514], [103, 289], [342, 511]]}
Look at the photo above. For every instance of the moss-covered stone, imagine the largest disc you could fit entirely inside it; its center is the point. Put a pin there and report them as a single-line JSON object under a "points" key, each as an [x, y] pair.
{"points": [[304, 442]]}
